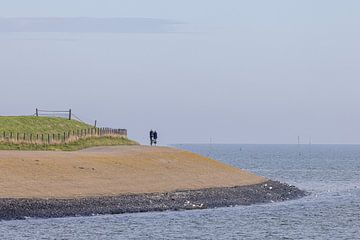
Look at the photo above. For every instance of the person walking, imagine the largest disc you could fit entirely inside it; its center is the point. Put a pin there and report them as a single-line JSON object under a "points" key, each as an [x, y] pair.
{"points": [[151, 137], [155, 137]]}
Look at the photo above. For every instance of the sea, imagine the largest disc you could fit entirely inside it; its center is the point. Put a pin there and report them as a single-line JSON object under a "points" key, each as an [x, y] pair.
{"points": [[329, 173]]}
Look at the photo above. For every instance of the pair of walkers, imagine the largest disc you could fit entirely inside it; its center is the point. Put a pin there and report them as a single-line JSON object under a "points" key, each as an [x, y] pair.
{"points": [[153, 137]]}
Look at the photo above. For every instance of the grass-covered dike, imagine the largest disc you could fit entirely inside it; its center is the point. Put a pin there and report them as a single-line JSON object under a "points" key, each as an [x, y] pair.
{"points": [[37, 126], [72, 146]]}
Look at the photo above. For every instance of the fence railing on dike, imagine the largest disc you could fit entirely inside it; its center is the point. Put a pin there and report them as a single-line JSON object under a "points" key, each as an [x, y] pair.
{"points": [[59, 138]]}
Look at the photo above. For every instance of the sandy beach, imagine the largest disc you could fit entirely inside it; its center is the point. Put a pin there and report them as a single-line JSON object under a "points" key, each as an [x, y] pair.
{"points": [[125, 179], [110, 171]]}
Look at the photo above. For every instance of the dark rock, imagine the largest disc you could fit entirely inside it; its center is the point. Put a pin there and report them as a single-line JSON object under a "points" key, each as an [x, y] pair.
{"points": [[271, 191]]}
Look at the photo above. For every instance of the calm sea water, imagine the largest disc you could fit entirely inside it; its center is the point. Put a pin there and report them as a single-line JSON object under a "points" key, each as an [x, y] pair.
{"points": [[331, 173]]}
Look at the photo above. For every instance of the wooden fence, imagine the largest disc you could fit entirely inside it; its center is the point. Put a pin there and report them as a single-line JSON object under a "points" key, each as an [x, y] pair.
{"points": [[51, 113], [58, 138]]}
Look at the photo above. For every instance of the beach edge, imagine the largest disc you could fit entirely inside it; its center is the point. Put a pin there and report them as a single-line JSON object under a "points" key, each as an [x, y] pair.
{"points": [[266, 192]]}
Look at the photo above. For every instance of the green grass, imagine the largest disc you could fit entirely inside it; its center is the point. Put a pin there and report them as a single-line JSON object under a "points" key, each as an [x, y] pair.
{"points": [[71, 146], [47, 125], [39, 125]]}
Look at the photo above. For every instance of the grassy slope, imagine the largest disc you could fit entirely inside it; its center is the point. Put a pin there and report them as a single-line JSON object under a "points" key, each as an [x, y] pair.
{"points": [[39, 125], [46, 125], [72, 146]]}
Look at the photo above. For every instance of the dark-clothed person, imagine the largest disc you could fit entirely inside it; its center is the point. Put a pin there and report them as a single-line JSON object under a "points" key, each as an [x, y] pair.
{"points": [[151, 137], [155, 137]]}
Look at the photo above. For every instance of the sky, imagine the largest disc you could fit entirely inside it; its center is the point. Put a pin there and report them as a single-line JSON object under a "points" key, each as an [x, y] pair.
{"points": [[227, 71]]}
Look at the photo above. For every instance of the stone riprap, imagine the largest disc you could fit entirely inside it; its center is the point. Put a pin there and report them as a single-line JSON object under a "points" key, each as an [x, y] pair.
{"points": [[269, 191]]}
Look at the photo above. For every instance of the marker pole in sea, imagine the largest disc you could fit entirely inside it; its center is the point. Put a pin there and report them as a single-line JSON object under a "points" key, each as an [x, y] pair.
{"points": [[310, 142], [210, 149]]}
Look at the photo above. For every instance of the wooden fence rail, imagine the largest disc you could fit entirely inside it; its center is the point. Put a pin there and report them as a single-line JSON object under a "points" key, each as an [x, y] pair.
{"points": [[58, 138]]}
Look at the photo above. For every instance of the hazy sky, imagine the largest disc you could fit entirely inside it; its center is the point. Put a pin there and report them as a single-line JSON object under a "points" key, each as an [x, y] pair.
{"points": [[234, 71]]}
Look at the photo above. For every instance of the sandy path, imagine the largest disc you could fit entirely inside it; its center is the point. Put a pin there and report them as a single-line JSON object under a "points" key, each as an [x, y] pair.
{"points": [[109, 171]]}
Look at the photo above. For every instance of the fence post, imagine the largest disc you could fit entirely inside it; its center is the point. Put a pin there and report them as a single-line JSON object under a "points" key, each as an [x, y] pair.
{"points": [[37, 112], [48, 138], [69, 114], [17, 136]]}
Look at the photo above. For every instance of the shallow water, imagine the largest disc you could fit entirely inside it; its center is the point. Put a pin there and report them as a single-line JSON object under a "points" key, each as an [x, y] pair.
{"points": [[331, 173]]}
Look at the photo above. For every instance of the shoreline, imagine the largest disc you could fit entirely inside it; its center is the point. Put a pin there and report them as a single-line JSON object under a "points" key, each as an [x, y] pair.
{"points": [[267, 192]]}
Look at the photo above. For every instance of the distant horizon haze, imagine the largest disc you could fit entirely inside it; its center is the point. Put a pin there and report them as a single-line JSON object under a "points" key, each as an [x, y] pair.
{"points": [[233, 71]]}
